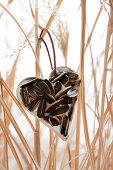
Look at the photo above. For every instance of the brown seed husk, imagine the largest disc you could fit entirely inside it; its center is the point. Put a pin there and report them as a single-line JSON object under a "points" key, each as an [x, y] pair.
{"points": [[32, 105], [64, 80], [68, 100], [50, 86], [57, 86], [60, 70], [53, 105], [70, 112], [32, 94], [31, 82], [41, 107], [44, 87], [24, 96], [57, 78], [37, 90], [49, 98], [62, 92], [61, 110], [54, 121], [65, 126]]}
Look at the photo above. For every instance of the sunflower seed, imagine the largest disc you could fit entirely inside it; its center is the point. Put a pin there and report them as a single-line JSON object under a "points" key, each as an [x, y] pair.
{"points": [[53, 75], [38, 81], [36, 90], [44, 87], [70, 84], [59, 110], [53, 105], [60, 118], [70, 113], [59, 70], [73, 91], [25, 96], [64, 80], [57, 86], [33, 81], [54, 121], [68, 100], [74, 83], [62, 92], [59, 76], [50, 86], [32, 94], [49, 98], [64, 126], [41, 107], [32, 105]]}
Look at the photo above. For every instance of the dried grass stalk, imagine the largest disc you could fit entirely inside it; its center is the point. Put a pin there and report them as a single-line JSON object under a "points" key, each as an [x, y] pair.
{"points": [[77, 142], [17, 103], [18, 132], [109, 32], [10, 144], [52, 17], [38, 73], [21, 152], [83, 14]]}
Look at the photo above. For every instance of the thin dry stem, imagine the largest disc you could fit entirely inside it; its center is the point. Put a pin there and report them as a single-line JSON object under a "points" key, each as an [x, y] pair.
{"points": [[101, 149], [69, 155], [109, 151], [97, 133], [77, 142], [18, 132], [17, 103], [38, 73], [51, 155], [51, 18], [48, 157], [33, 15], [5, 161], [83, 13], [63, 159], [24, 157], [110, 58], [111, 3], [11, 145], [111, 82]]}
